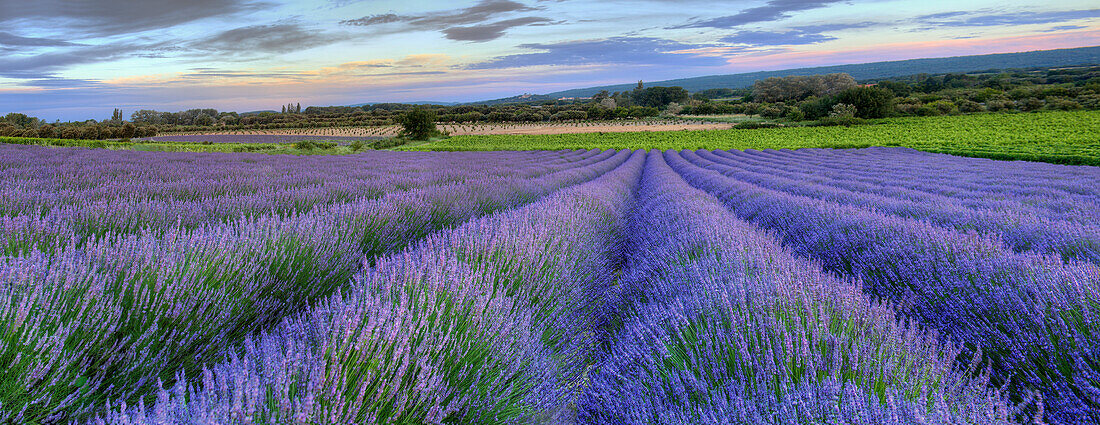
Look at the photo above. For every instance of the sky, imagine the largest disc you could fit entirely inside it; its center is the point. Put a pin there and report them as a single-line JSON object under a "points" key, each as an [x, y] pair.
{"points": [[80, 59]]}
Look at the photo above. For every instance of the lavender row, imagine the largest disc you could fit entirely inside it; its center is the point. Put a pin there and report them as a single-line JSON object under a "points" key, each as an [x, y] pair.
{"points": [[968, 179], [254, 138], [491, 322], [98, 191], [130, 214], [108, 318], [982, 188], [1034, 317], [1019, 229], [722, 325], [931, 165]]}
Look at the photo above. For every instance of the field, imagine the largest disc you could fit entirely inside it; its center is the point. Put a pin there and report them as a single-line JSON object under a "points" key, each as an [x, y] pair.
{"points": [[879, 285], [485, 128], [1058, 137], [252, 138]]}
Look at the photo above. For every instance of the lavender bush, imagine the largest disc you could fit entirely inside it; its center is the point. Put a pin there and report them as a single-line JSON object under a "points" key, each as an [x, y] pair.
{"points": [[491, 322], [1033, 316], [812, 286], [105, 317], [722, 325], [1070, 231]]}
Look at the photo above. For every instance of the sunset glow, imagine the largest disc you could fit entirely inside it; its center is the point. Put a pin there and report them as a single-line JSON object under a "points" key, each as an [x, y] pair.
{"points": [[71, 62]]}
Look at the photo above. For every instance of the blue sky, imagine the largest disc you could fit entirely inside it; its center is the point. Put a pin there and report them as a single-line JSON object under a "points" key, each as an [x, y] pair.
{"points": [[74, 60]]}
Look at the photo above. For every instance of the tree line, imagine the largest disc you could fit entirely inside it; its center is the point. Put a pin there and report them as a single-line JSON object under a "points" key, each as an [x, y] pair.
{"points": [[816, 97], [831, 99], [21, 125]]}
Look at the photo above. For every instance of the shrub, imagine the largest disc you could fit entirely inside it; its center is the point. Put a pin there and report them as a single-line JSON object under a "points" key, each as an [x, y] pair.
{"points": [[843, 110], [1029, 104], [128, 130], [968, 106], [796, 114], [357, 145], [908, 106], [569, 116], [304, 145], [996, 105], [419, 124], [1062, 104], [846, 121], [772, 111], [941, 107], [1091, 101], [816, 107], [870, 102]]}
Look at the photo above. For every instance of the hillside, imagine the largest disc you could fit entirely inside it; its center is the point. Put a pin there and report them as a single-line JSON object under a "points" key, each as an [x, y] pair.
{"points": [[874, 70]]}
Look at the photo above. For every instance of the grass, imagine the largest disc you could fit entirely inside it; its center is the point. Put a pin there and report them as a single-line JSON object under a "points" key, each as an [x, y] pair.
{"points": [[1063, 137]]}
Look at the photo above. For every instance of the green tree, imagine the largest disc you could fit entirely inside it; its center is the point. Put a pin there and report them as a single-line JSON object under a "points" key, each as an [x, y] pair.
{"points": [[418, 124], [659, 97], [870, 102], [128, 130]]}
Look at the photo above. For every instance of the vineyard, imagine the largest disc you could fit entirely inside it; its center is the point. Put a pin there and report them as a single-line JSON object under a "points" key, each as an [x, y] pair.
{"points": [[1058, 137], [464, 129], [866, 286]]}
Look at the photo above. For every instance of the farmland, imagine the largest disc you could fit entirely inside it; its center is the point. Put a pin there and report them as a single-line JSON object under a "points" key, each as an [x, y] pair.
{"points": [[468, 129], [1058, 137], [557, 286]]}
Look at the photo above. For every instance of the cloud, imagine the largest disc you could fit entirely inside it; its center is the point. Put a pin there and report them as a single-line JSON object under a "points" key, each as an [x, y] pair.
{"points": [[9, 39], [970, 19], [367, 21], [1064, 28], [491, 31], [772, 38], [467, 24], [114, 17], [773, 10], [282, 37], [610, 51], [807, 34], [42, 67]]}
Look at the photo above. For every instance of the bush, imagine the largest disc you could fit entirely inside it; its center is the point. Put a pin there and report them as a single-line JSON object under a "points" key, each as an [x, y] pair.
{"points": [[1029, 104], [569, 116], [1091, 101], [870, 102], [357, 145], [842, 114], [1061, 104], [796, 114], [843, 110], [996, 105], [128, 130], [773, 111], [817, 107], [967, 106], [419, 124], [929, 98], [942, 107], [304, 145]]}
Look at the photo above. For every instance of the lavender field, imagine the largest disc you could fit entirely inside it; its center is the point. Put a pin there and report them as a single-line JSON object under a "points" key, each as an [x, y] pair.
{"points": [[813, 286], [256, 138]]}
